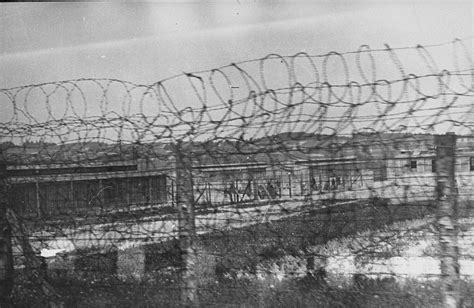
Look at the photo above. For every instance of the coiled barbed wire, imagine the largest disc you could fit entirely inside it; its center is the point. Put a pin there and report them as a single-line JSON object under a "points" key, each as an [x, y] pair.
{"points": [[254, 98], [90, 164]]}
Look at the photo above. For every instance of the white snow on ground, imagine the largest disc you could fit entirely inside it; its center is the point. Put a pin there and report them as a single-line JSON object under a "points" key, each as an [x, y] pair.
{"points": [[423, 267], [154, 229], [410, 254], [403, 250]]}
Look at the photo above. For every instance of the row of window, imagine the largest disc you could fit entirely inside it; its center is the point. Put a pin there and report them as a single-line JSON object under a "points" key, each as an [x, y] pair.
{"points": [[414, 165], [52, 197]]}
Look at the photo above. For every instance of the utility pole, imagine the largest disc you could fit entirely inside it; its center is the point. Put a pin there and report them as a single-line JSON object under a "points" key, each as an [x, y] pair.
{"points": [[447, 218], [186, 225], [6, 256]]}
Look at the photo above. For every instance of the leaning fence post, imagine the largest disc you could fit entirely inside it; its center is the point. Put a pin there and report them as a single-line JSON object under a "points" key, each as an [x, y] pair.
{"points": [[6, 256], [447, 218], [186, 225]]}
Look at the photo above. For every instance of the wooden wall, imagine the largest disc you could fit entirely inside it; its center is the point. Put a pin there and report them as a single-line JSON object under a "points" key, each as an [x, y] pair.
{"points": [[75, 196]]}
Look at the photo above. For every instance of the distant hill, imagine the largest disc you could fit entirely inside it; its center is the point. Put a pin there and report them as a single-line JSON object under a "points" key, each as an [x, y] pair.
{"points": [[294, 145]]}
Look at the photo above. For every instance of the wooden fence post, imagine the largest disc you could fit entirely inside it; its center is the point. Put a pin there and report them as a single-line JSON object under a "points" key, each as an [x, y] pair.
{"points": [[33, 264], [186, 225], [289, 184], [6, 256], [447, 218]]}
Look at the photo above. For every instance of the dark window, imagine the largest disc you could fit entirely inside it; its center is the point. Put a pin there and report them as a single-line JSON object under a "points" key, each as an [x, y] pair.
{"points": [[471, 164], [433, 165], [413, 165], [380, 172]]}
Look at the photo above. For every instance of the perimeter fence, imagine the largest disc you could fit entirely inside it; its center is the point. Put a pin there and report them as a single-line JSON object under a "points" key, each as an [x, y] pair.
{"points": [[342, 179]]}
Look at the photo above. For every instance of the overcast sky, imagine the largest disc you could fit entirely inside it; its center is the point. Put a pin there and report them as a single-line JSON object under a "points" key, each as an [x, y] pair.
{"points": [[144, 42]]}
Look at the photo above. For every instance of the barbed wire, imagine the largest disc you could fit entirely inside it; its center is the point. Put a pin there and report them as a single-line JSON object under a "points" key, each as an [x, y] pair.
{"points": [[267, 172]]}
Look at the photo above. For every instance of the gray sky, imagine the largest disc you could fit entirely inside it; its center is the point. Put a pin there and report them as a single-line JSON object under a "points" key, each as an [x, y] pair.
{"points": [[144, 42]]}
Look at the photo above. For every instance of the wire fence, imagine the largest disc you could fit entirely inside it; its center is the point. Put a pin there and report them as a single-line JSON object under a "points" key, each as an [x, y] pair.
{"points": [[307, 180]]}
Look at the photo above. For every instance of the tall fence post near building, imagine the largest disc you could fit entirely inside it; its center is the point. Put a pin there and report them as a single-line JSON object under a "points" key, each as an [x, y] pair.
{"points": [[447, 218], [6, 256], [186, 225], [33, 264]]}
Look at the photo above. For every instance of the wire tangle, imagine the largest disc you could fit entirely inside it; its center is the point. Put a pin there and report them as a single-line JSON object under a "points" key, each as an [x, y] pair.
{"points": [[322, 176]]}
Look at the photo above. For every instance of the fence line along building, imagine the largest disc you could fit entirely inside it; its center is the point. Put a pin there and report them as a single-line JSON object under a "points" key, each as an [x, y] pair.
{"points": [[357, 167]]}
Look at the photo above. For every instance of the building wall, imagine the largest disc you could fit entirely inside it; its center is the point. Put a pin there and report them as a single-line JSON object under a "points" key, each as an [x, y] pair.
{"points": [[397, 167], [57, 194], [224, 185], [279, 181], [76, 196]]}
